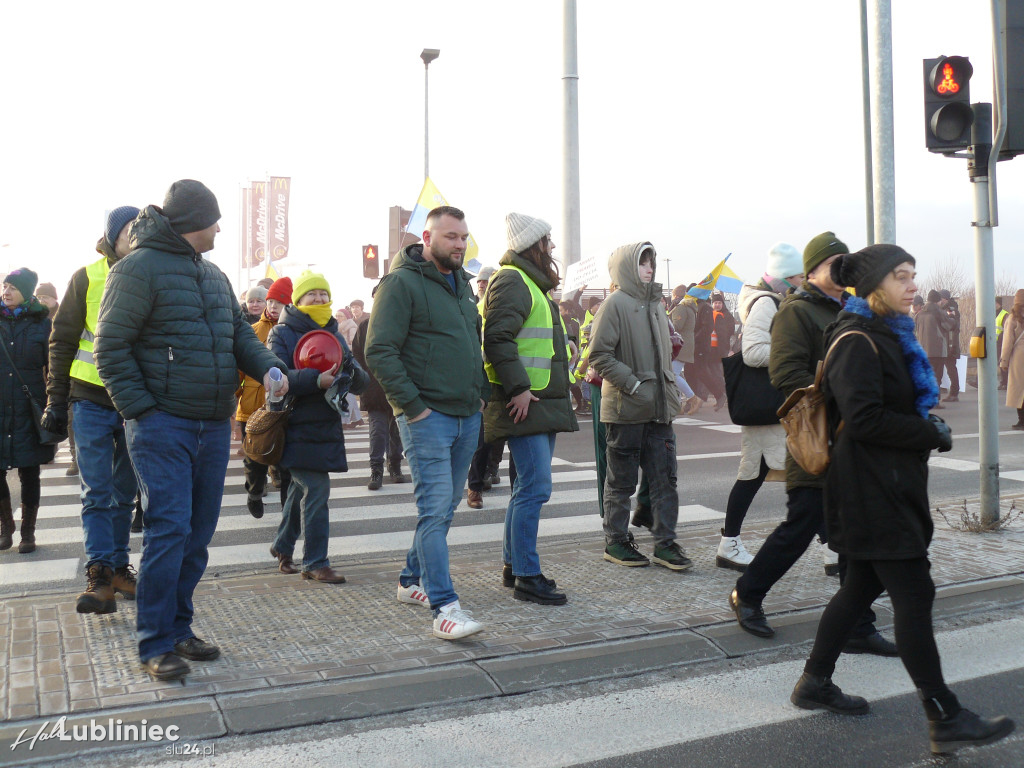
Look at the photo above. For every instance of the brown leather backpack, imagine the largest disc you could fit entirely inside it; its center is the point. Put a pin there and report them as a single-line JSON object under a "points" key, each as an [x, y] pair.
{"points": [[805, 421]]}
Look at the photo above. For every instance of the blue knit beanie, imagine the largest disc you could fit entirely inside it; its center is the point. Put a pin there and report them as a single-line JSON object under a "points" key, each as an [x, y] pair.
{"points": [[116, 220]]}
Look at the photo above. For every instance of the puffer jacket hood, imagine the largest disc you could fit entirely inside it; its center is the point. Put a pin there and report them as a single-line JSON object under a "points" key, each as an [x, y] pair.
{"points": [[103, 248], [153, 230], [751, 293], [623, 266]]}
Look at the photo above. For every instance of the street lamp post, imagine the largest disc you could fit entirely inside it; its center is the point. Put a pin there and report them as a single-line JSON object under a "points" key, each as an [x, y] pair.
{"points": [[428, 55]]}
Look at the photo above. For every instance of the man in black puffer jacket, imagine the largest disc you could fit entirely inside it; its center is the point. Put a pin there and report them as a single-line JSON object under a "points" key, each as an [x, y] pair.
{"points": [[169, 342]]}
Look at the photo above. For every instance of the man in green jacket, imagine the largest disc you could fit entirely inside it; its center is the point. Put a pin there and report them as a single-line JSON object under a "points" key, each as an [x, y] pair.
{"points": [[423, 346], [169, 342], [631, 350], [797, 346]]}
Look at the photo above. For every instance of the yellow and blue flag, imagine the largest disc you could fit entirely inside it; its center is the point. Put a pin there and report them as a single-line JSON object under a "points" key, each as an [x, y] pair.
{"points": [[430, 198], [721, 278]]}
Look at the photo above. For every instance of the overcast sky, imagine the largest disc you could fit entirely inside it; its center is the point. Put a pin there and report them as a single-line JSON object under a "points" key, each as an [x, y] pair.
{"points": [[706, 128]]}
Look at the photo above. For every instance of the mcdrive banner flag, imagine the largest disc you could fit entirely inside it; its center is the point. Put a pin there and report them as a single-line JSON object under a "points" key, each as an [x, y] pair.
{"points": [[277, 229], [258, 217], [431, 197]]}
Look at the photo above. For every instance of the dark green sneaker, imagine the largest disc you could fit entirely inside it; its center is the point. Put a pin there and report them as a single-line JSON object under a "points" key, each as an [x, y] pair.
{"points": [[672, 557], [625, 553]]}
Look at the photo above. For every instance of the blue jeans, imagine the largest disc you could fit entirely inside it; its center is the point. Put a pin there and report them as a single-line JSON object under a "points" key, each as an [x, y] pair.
{"points": [[531, 490], [108, 484], [305, 509], [439, 449], [181, 464]]}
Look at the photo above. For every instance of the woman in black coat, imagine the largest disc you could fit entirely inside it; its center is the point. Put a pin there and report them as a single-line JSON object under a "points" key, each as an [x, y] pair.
{"points": [[880, 384], [25, 333], [314, 440]]}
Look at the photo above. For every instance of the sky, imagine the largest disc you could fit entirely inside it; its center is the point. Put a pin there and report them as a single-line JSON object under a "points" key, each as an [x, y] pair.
{"points": [[705, 128]]}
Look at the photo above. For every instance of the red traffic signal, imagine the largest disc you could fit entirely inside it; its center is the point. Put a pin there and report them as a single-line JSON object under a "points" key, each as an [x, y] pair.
{"points": [[947, 103], [371, 262]]}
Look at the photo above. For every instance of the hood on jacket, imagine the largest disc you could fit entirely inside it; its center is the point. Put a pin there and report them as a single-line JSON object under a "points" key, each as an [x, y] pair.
{"points": [[513, 259], [751, 293], [104, 249], [153, 230], [624, 269]]}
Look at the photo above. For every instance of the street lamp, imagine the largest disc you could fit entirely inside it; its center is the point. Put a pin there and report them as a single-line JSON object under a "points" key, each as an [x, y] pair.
{"points": [[428, 55]]}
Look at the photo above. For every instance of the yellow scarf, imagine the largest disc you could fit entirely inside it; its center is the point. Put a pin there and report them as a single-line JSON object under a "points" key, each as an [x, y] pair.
{"points": [[318, 313]]}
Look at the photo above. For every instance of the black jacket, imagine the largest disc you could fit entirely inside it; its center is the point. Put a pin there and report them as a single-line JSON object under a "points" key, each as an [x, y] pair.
{"points": [[373, 397], [67, 330], [315, 439], [876, 488], [24, 337], [171, 334]]}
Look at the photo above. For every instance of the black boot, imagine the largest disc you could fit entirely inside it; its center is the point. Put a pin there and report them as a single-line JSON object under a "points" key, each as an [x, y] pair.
{"points": [[508, 577], [395, 474], [137, 519], [642, 517], [7, 526], [376, 478], [814, 692], [28, 529], [951, 727], [538, 589]]}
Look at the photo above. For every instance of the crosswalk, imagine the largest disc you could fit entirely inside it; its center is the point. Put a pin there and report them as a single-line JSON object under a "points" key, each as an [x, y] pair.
{"points": [[363, 522]]}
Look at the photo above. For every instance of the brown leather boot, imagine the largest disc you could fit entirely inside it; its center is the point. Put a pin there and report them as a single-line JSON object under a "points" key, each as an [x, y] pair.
{"points": [[99, 594], [28, 529], [124, 581], [7, 526]]}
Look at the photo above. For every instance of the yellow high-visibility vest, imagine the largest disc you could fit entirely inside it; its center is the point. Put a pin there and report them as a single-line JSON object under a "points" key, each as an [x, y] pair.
{"points": [[536, 339], [999, 322], [83, 367]]}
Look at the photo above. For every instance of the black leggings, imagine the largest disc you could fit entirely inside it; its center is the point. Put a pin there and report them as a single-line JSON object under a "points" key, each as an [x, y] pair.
{"points": [[29, 477], [740, 499], [912, 593]]}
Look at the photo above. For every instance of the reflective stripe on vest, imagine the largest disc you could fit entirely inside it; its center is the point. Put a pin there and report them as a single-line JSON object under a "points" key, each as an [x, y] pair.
{"points": [[83, 367], [536, 339]]}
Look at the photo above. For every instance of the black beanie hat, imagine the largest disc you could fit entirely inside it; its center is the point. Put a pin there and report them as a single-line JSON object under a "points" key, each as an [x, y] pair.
{"points": [[24, 280], [867, 268], [190, 206]]}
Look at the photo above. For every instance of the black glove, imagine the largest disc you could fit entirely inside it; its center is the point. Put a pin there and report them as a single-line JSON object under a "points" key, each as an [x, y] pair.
{"points": [[945, 433], [55, 419]]}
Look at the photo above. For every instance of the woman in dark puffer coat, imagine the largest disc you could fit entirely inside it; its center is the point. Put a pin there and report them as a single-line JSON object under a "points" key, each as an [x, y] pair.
{"points": [[880, 384], [315, 440], [25, 333]]}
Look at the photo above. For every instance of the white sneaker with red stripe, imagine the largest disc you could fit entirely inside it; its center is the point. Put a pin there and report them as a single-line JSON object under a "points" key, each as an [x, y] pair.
{"points": [[452, 623], [413, 595]]}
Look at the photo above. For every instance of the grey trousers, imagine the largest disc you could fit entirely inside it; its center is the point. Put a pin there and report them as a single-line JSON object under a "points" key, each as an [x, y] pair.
{"points": [[630, 447]]}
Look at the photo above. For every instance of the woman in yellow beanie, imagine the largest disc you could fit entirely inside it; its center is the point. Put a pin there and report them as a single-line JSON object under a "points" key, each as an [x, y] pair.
{"points": [[314, 440]]}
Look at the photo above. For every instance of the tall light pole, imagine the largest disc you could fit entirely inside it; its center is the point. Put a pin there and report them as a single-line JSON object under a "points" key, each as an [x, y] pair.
{"points": [[428, 55], [570, 139]]}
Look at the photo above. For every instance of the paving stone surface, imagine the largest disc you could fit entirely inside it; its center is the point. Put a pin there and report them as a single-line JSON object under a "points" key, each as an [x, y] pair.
{"points": [[277, 631]]}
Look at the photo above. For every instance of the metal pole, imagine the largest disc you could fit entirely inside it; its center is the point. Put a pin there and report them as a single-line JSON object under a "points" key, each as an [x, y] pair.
{"points": [[869, 197], [985, 311], [426, 120], [571, 137], [882, 144]]}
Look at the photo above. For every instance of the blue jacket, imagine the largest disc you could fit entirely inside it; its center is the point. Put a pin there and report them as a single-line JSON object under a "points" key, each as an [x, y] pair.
{"points": [[314, 439]]}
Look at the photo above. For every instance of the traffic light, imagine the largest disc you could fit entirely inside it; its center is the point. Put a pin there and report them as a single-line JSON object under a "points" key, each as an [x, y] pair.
{"points": [[1013, 143], [947, 103], [371, 262]]}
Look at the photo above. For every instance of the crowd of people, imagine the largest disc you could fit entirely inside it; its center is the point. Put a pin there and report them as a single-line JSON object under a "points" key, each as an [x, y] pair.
{"points": [[154, 358]]}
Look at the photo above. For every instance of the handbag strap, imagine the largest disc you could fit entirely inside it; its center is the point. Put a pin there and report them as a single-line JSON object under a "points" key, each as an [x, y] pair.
{"points": [[842, 336]]}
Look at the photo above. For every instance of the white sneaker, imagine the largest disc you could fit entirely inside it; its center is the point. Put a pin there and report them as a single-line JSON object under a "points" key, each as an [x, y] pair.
{"points": [[732, 554], [829, 559], [413, 595], [452, 623]]}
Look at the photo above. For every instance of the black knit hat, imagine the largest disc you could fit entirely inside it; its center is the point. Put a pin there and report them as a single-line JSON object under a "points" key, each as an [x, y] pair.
{"points": [[24, 280], [867, 268], [190, 206]]}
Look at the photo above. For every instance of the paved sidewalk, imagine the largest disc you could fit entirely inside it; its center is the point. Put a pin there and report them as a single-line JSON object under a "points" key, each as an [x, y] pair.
{"points": [[297, 652]]}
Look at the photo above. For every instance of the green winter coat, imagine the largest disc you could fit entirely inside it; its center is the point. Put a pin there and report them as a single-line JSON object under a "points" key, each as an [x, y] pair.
{"points": [[797, 345], [506, 306], [631, 344], [171, 335], [423, 340]]}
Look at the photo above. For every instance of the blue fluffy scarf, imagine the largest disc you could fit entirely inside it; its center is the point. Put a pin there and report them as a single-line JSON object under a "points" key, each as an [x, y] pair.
{"points": [[926, 389]]}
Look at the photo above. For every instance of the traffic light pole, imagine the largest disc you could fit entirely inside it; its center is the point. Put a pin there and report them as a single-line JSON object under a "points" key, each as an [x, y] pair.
{"points": [[985, 311]]}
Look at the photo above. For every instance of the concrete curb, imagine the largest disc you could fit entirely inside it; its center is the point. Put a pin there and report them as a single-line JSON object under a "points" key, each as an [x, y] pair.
{"points": [[228, 714]]}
